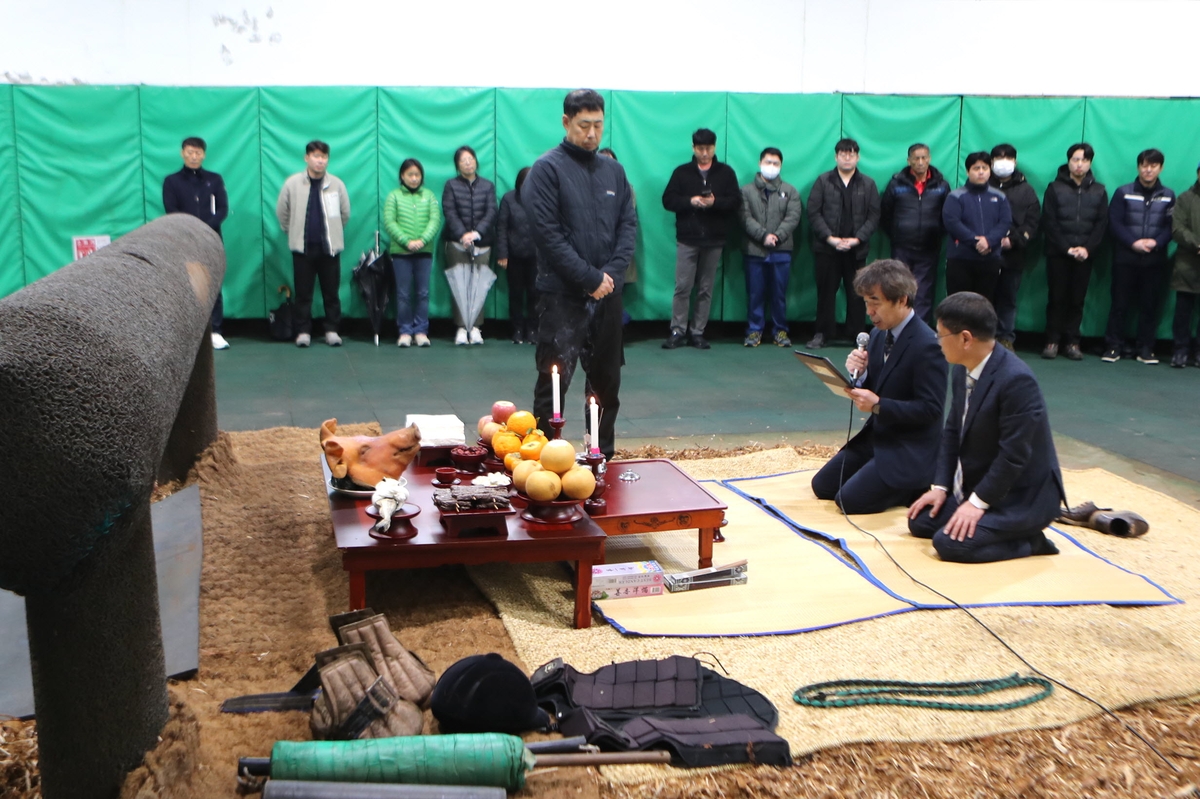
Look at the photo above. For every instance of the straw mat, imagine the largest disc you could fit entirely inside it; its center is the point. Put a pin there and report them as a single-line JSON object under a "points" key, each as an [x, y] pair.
{"points": [[1075, 576]]}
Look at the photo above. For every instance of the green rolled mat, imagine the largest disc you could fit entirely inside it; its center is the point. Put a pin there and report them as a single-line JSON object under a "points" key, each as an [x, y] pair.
{"points": [[466, 759]]}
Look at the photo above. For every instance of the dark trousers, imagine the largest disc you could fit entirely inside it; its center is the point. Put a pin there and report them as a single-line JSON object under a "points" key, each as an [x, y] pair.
{"points": [[966, 274], [1181, 327], [767, 276], [1140, 284], [1067, 283], [218, 313], [580, 329], [832, 268], [1008, 285], [923, 265], [306, 270], [522, 296], [986, 546], [860, 489]]}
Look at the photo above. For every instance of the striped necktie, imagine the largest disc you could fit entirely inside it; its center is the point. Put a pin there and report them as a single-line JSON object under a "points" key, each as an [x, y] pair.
{"points": [[887, 345], [958, 472]]}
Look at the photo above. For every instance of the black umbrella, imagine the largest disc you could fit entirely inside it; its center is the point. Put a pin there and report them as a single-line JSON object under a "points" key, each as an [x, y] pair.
{"points": [[374, 280]]}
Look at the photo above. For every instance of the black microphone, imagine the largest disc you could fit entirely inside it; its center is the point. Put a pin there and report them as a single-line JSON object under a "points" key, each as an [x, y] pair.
{"points": [[862, 341]]}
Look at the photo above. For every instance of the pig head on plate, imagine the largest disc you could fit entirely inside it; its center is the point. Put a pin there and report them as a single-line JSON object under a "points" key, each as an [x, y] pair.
{"points": [[369, 459]]}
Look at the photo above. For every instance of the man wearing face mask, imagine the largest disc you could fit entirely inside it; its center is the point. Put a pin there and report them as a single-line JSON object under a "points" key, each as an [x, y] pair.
{"points": [[704, 196], [843, 210], [1026, 213], [770, 215], [977, 218], [911, 214]]}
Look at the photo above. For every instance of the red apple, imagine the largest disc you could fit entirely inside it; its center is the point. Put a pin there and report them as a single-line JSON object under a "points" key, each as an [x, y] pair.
{"points": [[490, 429], [482, 421], [501, 410]]}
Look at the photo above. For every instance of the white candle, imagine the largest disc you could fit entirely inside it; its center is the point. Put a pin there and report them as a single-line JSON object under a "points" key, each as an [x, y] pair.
{"points": [[595, 426], [554, 382]]}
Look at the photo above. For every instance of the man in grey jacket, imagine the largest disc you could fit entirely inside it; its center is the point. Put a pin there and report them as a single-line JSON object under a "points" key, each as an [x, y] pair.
{"points": [[584, 226], [313, 208], [770, 215]]}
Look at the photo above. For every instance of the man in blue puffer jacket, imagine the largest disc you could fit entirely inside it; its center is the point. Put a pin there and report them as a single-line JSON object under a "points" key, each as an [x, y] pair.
{"points": [[977, 217], [1139, 217]]}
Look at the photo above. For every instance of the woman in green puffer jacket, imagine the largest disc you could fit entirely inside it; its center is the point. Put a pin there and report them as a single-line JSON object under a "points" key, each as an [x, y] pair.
{"points": [[411, 217]]}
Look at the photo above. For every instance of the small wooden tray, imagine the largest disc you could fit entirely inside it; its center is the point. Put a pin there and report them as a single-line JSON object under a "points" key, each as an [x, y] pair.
{"points": [[490, 519]]}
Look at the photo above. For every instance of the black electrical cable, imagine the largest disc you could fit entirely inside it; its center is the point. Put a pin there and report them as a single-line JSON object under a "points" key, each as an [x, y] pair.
{"points": [[989, 630]]}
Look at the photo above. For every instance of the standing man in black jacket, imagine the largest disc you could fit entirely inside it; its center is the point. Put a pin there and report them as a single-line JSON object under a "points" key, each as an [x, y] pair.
{"points": [[196, 191], [1014, 247], [911, 214], [1140, 220], [704, 196], [843, 210], [581, 206], [1075, 211]]}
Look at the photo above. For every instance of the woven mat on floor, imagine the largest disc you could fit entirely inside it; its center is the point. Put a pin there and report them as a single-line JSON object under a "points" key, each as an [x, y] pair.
{"points": [[1075, 576], [1120, 655]]}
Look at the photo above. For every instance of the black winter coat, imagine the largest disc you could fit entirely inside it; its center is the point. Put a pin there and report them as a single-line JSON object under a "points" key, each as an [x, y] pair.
{"points": [[469, 206], [199, 193], [825, 210], [514, 230], [1140, 213], [581, 208], [1074, 215], [1026, 213], [703, 227], [911, 220]]}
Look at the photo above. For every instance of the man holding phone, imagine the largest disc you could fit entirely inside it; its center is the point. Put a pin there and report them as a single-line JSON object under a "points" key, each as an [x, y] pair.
{"points": [[704, 196]]}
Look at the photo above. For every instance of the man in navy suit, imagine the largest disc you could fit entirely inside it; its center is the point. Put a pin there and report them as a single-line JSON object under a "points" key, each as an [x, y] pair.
{"points": [[997, 483], [903, 389]]}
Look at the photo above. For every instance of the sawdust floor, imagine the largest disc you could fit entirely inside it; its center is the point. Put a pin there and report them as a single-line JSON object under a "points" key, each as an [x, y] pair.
{"points": [[272, 576]]}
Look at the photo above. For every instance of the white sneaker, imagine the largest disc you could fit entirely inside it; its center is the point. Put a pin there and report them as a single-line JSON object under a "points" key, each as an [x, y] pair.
{"points": [[476, 336], [303, 340], [219, 342], [422, 340], [404, 341], [333, 339], [460, 338]]}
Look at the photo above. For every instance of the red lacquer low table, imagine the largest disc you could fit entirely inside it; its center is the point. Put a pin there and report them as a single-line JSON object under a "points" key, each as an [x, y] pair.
{"points": [[663, 498], [581, 541]]}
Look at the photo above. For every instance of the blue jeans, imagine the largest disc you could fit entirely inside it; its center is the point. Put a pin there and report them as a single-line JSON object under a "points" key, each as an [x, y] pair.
{"points": [[774, 270], [410, 269]]}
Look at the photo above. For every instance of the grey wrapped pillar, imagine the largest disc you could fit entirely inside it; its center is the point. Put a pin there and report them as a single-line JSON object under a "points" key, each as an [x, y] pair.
{"points": [[96, 361]]}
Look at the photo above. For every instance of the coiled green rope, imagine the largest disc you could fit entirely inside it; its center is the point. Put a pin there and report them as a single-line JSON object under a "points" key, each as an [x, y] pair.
{"points": [[851, 693]]}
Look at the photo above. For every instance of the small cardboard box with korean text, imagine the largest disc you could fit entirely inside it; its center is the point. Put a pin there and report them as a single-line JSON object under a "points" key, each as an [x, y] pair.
{"points": [[620, 580]]}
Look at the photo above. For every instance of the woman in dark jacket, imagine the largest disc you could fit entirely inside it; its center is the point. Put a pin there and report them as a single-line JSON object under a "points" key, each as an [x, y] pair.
{"points": [[469, 206], [516, 254]]}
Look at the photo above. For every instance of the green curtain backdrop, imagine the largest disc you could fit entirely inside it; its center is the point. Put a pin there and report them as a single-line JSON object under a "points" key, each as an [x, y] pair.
{"points": [[79, 164], [89, 160], [1041, 129], [801, 127], [346, 119], [429, 125], [1119, 129], [651, 135], [12, 258], [227, 120]]}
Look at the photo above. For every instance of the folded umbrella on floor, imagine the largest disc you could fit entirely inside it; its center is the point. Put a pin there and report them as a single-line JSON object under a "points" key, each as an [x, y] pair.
{"points": [[374, 279]]}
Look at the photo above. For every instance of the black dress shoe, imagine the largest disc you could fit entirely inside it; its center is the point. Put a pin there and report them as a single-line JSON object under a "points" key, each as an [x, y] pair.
{"points": [[677, 339], [699, 342]]}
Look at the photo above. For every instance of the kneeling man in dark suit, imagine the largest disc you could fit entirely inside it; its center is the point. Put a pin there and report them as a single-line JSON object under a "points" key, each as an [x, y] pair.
{"points": [[997, 483], [891, 459]]}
